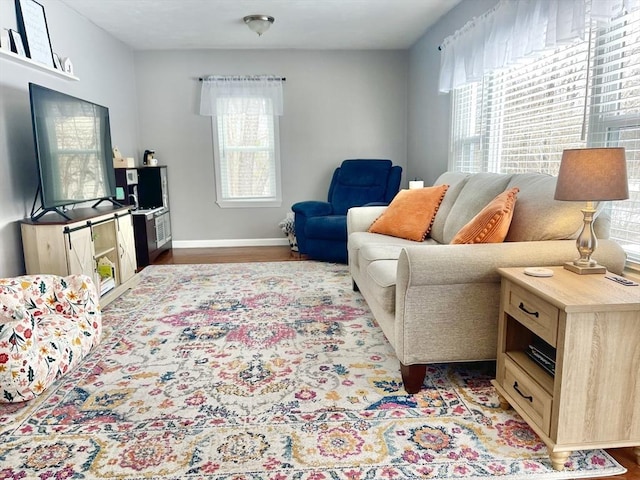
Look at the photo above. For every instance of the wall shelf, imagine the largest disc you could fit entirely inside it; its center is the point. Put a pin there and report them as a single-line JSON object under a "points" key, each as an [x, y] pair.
{"points": [[27, 62]]}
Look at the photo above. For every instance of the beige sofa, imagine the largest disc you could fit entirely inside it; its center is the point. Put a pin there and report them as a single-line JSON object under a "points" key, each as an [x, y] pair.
{"points": [[437, 302]]}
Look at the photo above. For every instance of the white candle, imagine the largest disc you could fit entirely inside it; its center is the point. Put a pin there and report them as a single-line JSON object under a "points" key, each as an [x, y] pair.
{"points": [[416, 184]]}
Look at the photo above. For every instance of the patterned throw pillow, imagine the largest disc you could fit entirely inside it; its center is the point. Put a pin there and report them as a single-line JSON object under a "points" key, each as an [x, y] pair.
{"points": [[411, 213], [491, 224]]}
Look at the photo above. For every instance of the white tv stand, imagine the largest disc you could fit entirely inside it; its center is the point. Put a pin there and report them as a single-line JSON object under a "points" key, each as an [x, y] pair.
{"points": [[60, 246]]}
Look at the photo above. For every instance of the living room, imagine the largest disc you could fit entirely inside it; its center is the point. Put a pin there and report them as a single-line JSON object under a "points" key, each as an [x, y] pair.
{"points": [[339, 103], [371, 103], [379, 104]]}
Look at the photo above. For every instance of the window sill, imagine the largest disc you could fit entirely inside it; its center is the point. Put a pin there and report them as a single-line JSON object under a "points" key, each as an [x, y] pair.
{"points": [[632, 270], [249, 203]]}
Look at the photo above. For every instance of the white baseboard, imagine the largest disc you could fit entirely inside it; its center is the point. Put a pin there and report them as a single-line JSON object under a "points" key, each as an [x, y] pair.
{"points": [[241, 242]]}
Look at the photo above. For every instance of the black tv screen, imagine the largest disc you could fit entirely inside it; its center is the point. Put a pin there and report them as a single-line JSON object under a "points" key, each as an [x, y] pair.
{"points": [[73, 148]]}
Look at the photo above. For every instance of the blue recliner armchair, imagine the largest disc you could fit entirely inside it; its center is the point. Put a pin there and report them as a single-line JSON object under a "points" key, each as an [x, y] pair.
{"points": [[321, 227]]}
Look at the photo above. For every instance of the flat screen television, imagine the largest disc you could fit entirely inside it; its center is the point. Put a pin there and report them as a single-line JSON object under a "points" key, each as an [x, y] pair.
{"points": [[73, 149]]}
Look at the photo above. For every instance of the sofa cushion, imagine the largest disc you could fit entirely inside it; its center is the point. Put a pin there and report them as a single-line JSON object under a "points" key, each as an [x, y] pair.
{"points": [[373, 252], [375, 244], [411, 213], [456, 181], [358, 240], [382, 283], [491, 224], [537, 216], [478, 191]]}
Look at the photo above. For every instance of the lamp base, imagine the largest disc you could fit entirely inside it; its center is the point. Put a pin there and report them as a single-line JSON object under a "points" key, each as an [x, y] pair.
{"points": [[580, 270]]}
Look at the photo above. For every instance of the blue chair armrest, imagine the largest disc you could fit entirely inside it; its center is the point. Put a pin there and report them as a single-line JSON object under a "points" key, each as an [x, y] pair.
{"points": [[376, 204], [312, 208], [303, 211]]}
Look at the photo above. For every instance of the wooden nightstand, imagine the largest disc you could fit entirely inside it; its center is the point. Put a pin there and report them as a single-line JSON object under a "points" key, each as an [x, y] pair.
{"points": [[592, 327]]}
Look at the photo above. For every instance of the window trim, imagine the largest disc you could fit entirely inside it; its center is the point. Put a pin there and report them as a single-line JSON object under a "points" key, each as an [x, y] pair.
{"points": [[249, 202]]}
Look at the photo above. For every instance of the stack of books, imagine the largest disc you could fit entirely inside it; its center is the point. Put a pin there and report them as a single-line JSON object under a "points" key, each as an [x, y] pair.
{"points": [[107, 272], [544, 355], [106, 284]]}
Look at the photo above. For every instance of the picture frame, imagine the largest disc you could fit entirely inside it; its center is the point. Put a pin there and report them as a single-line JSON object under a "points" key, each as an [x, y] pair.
{"points": [[57, 62], [5, 43], [15, 43], [32, 24]]}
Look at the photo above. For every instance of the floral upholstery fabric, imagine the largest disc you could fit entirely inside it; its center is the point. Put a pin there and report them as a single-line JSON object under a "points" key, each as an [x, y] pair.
{"points": [[47, 324]]}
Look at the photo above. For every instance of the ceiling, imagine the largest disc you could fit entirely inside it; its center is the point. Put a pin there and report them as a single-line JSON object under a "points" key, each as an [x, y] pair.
{"points": [[299, 24]]}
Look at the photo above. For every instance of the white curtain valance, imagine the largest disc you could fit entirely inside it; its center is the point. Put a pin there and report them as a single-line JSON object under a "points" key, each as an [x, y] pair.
{"points": [[241, 86], [516, 29]]}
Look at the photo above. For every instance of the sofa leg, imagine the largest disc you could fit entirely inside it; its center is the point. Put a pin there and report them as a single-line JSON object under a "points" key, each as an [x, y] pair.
{"points": [[355, 286], [413, 376]]}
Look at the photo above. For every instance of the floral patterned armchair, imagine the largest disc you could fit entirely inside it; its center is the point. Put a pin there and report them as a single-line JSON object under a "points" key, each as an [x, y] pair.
{"points": [[47, 325]]}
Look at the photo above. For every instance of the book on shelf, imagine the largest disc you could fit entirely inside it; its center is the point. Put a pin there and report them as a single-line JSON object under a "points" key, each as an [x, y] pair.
{"points": [[107, 272], [106, 268], [106, 284], [544, 355]]}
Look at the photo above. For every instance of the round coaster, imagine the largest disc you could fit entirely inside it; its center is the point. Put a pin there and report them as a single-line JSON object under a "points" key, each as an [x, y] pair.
{"points": [[538, 272]]}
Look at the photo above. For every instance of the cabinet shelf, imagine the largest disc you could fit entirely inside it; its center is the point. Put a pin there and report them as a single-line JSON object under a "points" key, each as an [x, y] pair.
{"points": [[27, 62], [103, 252], [535, 371]]}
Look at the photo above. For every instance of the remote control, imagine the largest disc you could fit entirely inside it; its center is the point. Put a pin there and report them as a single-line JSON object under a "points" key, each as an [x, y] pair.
{"points": [[622, 281]]}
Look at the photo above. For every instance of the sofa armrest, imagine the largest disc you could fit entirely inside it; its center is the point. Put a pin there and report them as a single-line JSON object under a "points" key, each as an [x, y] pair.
{"points": [[312, 208], [478, 263], [359, 219], [455, 290]]}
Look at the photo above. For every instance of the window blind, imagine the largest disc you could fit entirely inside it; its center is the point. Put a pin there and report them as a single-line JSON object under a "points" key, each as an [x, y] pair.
{"points": [[248, 167], [585, 94], [615, 117]]}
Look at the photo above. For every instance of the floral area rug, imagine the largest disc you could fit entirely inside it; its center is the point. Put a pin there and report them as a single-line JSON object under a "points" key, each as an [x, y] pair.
{"points": [[264, 371]]}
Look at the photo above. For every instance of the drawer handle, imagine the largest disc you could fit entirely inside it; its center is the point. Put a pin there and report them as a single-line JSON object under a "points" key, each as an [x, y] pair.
{"points": [[524, 309], [526, 397]]}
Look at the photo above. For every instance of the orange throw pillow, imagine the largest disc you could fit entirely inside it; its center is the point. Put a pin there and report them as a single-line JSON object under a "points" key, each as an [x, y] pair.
{"points": [[491, 224], [411, 213]]}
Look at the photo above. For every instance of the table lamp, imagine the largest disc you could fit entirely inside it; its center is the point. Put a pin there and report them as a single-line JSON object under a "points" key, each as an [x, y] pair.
{"points": [[592, 175]]}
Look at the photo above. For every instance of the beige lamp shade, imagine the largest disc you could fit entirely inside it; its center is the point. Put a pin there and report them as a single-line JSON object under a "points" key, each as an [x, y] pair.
{"points": [[593, 175]]}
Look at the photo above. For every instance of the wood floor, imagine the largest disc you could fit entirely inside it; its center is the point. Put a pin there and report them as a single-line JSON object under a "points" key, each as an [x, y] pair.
{"points": [[226, 255], [282, 253]]}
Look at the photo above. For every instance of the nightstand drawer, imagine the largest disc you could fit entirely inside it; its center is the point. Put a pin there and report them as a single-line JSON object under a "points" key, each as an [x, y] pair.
{"points": [[529, 396], [533, 312]]}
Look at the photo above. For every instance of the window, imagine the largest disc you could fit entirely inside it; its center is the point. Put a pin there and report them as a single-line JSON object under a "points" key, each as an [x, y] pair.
{"points": [[585, 94], [245, 111], [247, 164]]}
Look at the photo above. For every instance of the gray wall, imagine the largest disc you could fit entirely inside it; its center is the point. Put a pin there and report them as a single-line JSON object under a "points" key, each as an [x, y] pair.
{"points": [[429, 119], [106, 71], [337, 105]]}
